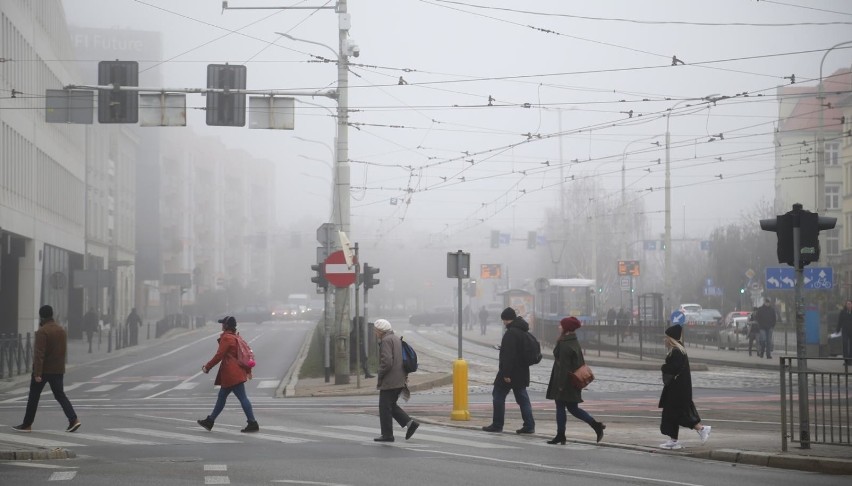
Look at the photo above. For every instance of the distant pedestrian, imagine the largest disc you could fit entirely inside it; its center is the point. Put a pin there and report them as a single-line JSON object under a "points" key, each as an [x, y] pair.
{"points": [[391, 383], [568, 356], [753, 329], [49, 353], [231, 376], [133, 323], [622, 322], [844, 327], [765, 324], [483, 320], [676, 398], [90, 325], [610, 320], [513, 375]]}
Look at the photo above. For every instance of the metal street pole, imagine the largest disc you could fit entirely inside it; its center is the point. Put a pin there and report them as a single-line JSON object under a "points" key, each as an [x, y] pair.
{"points": [[801, 351]]}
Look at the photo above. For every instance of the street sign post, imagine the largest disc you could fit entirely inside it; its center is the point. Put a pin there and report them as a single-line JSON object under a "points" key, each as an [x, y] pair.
{"points": [[337, 272]]}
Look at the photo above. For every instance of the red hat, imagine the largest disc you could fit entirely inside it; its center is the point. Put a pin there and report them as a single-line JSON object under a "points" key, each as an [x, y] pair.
{"points": [[570, 324]]}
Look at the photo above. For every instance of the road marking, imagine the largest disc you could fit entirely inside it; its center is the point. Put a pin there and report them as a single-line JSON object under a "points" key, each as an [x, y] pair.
{"points": [[154, 358], [186, 386], [268, 384], [215, 467], [320, 433], [102, 388], [173, 435], [261, 435], [216, 480], [298, 481], [145, 387], [37, 465], [107, 438], [434, 438], [24, 438], [62, 476]]}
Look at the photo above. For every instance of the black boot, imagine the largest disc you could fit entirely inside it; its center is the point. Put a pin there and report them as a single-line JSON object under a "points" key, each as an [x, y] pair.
{"points": [[251, 427], [206, 423], [598, 428], [559, 439]]}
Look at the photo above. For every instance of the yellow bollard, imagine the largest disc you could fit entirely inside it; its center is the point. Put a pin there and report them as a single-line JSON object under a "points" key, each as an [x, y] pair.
{"points": [[460, 405]]}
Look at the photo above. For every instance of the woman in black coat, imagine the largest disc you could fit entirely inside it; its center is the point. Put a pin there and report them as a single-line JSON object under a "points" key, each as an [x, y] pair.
{"points": [[676, 399], [568, 357]]}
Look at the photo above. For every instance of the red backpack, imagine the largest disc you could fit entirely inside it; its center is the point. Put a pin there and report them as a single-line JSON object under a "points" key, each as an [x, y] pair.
{"points": [[245, 356]]}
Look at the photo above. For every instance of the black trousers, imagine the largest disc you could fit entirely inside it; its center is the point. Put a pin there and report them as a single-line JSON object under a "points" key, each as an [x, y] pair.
{"points": [[58, 389], [390, 411]]}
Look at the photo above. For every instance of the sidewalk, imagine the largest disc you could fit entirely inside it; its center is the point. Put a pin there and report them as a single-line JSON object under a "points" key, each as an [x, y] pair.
{"points": [[726, 444]]}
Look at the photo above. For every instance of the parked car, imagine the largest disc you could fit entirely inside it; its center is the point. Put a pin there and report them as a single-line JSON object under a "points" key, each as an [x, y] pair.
{"points": [[729, 318], [708, 317], [735, 334], [438, 315], [690, 310]]}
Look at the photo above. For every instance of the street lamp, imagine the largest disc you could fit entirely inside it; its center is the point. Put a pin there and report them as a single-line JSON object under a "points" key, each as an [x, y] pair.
{"points": [[668, 224]]}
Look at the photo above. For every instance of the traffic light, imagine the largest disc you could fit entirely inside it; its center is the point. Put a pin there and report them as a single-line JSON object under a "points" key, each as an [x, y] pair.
{"points": [[226, 109], [495, 239], [367, 277], [531, 240], [320, 277], [742, 290], [810, 224], [115, 106], [471, 288], [783, 226]]}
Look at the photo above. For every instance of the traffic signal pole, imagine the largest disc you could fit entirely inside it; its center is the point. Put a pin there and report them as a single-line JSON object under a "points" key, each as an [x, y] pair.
{"points": [[802, 364]]}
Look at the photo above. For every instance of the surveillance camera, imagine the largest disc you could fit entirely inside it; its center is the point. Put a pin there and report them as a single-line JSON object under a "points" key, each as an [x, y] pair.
{"points": [[352, 49]]}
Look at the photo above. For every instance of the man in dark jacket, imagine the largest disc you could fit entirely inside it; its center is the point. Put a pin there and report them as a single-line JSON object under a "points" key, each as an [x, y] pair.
{"points": [[48, 367], [844, 327], [514, 374], [765, 324]]}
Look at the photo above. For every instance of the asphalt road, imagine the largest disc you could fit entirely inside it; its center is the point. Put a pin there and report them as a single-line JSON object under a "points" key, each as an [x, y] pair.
{"points": [[139, 409]]}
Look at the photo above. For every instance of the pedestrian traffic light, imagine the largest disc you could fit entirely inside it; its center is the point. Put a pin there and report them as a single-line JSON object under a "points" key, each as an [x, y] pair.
{"points": [[114, 105], [226, 109], [367, 277], [471, 288], [495, 239], [810, 224], [319, 279], [531, 240]]}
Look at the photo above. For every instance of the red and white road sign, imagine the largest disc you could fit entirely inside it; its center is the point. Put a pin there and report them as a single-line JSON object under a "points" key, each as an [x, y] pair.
{"points": [[337, 272]]}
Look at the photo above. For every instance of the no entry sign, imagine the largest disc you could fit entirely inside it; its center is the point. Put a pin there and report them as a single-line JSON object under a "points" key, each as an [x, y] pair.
{"points": [[337, 272]]}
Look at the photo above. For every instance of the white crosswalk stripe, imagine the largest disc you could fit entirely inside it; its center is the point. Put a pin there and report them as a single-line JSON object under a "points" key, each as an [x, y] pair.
{"points": [[268, 384], [110, 439], [103, 388], [145, 387], [27, 439], [479, 444], [202, 439]]}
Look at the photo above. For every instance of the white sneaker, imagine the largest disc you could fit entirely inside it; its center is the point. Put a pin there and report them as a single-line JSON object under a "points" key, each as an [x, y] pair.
{"points": [[671, 444], [704, 434]]}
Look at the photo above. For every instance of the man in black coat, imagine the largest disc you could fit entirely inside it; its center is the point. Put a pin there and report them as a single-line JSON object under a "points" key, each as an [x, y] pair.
{"points": [[514, 374], [765, 324], [844, 327]]}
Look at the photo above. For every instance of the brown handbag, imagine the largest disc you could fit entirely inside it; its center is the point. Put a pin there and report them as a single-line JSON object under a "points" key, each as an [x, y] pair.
{"points": [[581, 377]]}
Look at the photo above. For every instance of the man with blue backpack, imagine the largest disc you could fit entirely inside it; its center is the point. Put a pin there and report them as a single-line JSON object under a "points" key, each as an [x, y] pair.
{"points": [[514, 373], [392, 380]]}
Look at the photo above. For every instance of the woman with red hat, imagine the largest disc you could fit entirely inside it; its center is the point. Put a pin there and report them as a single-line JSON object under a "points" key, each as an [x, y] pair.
{"points": [[568, 357]]}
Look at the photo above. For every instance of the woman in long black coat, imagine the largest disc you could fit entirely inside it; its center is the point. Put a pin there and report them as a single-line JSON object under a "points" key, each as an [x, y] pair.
{"points": [[568, 357], [676, 399]]}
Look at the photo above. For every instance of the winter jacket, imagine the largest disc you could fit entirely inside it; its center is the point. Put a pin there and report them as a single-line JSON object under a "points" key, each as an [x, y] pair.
{"points": [[50, 348], [766, 317], [511, 356], [230, 372], [678, 393], [391, 376], [568, 356], [844, 322]]}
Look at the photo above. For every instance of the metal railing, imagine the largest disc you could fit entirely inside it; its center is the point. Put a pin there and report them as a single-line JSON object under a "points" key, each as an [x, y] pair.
{"points": [[16, 354], [635, 340], [827, 402]]}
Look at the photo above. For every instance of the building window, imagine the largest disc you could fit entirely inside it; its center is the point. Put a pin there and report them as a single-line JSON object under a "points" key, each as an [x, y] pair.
{"points": [[832, 154], [832, 242], [832, 196]]}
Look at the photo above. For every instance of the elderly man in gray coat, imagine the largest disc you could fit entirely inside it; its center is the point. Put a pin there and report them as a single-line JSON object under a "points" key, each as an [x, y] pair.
{"points": [[391, 382]]}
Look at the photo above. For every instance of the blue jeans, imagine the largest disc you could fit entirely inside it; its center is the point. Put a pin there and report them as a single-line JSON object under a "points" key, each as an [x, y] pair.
{"points": [[764, 343], [575, 410], [499, 395], [240, 392]]}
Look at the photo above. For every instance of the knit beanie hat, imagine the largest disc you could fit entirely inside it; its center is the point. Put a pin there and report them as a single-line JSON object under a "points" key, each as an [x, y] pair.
{"points": [[570, 324], [46, 312], [675, 332], [382, 325]]}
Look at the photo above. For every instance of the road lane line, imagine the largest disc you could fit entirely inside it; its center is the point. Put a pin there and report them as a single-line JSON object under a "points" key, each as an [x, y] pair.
{"points": [[154, 358]]}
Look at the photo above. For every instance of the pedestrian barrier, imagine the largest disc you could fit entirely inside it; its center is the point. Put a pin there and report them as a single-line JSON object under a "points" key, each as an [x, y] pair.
{"points": [[15, 354], [828, 402]]}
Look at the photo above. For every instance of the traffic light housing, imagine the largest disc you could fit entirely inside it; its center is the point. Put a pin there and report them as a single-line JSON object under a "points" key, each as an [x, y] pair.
{"points": [[495, 239], [471, 288], [810, 224], [226, 109], [319, 279], [531, 240], [116, 106], [782, 225], [368, 277]]}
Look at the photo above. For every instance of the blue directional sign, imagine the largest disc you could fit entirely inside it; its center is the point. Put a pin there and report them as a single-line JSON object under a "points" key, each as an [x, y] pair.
{"points": [[650, 244], [784, 278]]}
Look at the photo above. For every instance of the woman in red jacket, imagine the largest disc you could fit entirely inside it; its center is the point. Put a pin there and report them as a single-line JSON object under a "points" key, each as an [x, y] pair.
{"points": [[231, 376]]}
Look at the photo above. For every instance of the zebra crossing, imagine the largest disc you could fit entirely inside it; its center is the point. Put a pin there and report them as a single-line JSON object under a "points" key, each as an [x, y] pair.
{"points": [[151, 385], [186, 432]]}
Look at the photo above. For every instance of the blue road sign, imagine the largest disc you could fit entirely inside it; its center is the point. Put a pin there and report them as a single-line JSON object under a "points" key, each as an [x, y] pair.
{"points": [[650, 244], [784, 278]]}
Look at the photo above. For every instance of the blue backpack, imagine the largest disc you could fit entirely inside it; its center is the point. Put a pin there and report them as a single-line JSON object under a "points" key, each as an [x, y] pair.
{"points": [[409, 357]]}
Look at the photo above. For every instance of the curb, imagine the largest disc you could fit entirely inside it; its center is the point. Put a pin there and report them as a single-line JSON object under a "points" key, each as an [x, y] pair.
{"points": [[37, 455], [817, 464]]}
